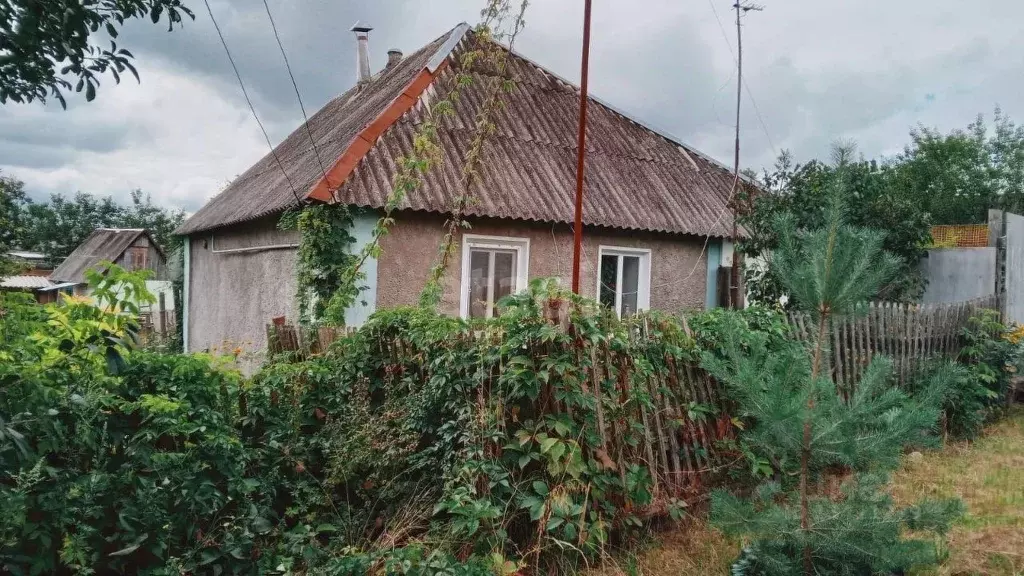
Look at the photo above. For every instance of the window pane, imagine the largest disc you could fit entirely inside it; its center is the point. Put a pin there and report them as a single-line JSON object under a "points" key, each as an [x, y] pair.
{"points": [[479, 275], [609, 275], [504, 274], [630, 284]]}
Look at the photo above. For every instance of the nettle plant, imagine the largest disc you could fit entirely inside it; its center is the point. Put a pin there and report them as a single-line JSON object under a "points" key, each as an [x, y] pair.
{"points": [[825, 510]]}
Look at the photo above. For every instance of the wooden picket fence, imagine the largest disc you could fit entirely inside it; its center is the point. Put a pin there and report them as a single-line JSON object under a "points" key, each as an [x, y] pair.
{"points": [[682, 425], [907, 333]]}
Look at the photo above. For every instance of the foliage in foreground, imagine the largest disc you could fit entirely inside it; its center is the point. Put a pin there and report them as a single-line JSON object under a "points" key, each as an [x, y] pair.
{"points": [[811, 435], [48, 45], [421, 444]]}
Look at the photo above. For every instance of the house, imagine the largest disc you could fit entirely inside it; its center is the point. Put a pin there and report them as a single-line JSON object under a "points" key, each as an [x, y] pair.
{"points": [[131, 249], [655, 210], [32, 275]]}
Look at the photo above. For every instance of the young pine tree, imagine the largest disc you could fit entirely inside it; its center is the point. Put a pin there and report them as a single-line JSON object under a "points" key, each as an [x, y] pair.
{"points": [[810, 434]]}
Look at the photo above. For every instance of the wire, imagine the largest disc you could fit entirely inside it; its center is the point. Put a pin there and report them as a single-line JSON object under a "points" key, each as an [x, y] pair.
{"points": [[249, 101], [298, 96], [746, 86]]}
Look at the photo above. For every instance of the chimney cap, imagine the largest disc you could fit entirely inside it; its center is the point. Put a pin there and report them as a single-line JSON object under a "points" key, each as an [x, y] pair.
{"points": [[360, 27]]}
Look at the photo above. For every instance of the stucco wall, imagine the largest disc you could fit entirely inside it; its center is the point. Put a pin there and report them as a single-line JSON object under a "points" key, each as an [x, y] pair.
{"points": [[958, 274], [678, 280], [232, 296]]}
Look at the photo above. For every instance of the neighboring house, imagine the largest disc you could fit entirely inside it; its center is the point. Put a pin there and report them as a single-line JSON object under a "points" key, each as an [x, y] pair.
{"points": [[33, 276], [651, 203], [131, 249]]}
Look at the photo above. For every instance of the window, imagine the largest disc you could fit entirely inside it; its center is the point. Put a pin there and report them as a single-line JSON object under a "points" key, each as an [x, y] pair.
{"points": [[624, 279], [135, 258], [492, 268]]}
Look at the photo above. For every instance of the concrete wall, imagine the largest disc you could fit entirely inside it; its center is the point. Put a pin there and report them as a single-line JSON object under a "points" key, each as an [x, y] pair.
{"points": [[958, 274], [1014, 306], [678, 278], [233, 295]]}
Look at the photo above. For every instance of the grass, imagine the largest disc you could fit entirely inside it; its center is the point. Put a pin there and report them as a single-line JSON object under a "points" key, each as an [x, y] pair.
{"points": [[987, 474]]}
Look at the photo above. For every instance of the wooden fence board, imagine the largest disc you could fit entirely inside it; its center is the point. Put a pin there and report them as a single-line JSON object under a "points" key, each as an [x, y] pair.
{"points": [[908, 334]]}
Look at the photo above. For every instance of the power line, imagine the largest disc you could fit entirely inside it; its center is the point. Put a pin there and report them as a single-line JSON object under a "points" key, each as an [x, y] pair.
{"points": [[249, 101], [298, 96], [746, 86]]}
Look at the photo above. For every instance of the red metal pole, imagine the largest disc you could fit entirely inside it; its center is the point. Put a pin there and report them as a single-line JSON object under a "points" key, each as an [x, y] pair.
{"points": [[581, 153]]}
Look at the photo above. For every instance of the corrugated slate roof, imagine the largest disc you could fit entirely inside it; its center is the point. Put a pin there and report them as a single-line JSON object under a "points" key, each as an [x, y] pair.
{"points": [[636, 177], [25, 282], [263, 188], [102, 244]]}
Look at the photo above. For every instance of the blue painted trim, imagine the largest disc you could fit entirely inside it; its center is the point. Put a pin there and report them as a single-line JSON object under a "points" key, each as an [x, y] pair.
{"points": [[187, 264], [714, 258], [363, 224]]}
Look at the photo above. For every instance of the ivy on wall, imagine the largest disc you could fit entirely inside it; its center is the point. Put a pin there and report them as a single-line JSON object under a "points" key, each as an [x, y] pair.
{"points": [[326, 284]]}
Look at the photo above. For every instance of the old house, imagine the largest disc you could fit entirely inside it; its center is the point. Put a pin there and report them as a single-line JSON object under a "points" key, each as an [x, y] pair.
{"points": [[655, 210], [131, 249], [32, 275]]}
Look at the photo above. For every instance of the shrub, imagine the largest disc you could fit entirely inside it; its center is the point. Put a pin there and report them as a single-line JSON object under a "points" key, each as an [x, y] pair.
{"points": [[963, 398]]}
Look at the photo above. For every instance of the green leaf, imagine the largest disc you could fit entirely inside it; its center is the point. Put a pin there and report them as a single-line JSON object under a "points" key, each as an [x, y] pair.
{"points": [[540, 487], [547, 443], [132, 548]]}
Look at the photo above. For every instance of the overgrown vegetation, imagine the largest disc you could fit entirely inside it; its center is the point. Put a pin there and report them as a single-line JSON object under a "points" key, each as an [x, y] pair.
{"points": [[810, 435], [952, 178], [420, 444]]}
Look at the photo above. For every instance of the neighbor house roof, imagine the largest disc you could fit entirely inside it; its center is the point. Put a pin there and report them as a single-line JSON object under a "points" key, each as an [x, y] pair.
{"points": [[25, 282], [102, 244], [637, 178]]}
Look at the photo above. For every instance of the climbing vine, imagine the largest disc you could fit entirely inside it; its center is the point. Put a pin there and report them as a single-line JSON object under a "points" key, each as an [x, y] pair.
{"points": [[329, 273], [495, 58], [326, 287]]}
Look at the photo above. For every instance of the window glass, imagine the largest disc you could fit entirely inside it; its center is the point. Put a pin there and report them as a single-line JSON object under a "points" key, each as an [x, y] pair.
{"points": [[479, 276], [609, 279], [504, 274], [630, 284]]}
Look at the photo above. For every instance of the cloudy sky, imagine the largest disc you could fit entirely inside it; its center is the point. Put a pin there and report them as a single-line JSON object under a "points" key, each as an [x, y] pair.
{"points": [[818, 71]]}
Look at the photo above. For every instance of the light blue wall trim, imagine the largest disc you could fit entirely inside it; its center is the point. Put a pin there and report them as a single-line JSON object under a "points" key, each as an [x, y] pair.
{"points": [[187, 264], [363, 224], [714, 258]]}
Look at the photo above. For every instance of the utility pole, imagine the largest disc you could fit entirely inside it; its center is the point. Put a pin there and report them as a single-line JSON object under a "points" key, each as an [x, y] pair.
{"points": [[581, 153], [735, 296]]}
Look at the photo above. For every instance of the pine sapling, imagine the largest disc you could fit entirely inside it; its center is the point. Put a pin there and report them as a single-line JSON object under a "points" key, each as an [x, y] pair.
{"points": [[800, 424]]}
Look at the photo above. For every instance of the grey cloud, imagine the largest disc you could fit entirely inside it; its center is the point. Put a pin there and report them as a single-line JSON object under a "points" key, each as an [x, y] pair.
{"points": [[819, 72]]}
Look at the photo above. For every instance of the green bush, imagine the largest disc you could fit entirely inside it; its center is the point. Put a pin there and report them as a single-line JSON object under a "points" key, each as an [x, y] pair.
{"points": [[116, 460], [964, 399]]}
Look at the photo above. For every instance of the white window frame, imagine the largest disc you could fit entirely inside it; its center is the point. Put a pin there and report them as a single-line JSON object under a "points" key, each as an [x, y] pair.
{"points": [[643, 286], [521, 246]]}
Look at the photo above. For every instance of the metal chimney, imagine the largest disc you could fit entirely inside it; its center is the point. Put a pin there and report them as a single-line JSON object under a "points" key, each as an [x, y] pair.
{"points": [[362, 52]]}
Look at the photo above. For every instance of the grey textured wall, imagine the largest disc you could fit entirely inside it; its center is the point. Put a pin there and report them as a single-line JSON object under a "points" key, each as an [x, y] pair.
{"points": [[1014, 268], [233, 296], [678, 278], [958, 274]]}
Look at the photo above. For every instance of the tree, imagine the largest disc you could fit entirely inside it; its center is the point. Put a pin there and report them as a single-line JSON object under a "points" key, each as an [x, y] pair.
{"points": [[957, 177], [12, 198], [57, 227], [809, 433], [46, 45], [161, 222], [873, 198]]}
